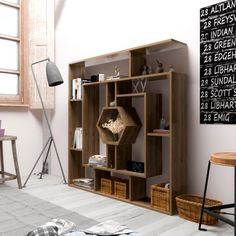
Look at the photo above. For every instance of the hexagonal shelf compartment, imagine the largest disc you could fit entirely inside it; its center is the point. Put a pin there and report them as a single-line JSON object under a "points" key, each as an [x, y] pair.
{"points": [[125, 124]]}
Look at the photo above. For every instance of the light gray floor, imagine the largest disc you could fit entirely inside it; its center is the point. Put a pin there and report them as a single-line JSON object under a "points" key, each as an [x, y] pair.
{"points": [[99, 208]]}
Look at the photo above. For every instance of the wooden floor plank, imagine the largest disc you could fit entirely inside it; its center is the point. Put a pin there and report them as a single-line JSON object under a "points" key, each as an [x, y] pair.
{"points": [[100, 208]]}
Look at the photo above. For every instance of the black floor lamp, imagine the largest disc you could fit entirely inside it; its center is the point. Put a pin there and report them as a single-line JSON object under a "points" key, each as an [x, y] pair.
{"points": [[54, 78]]}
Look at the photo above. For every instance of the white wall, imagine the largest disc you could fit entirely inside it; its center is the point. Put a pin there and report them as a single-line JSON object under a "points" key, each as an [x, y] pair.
{"points": [[89, 28], [26, 125]]}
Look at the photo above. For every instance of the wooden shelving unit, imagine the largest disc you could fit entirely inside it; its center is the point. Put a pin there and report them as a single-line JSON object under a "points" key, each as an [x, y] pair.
{"points": [[161, 152]]}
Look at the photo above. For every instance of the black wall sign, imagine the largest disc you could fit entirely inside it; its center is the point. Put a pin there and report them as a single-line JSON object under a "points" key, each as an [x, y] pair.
{"points": [[218, 63]]}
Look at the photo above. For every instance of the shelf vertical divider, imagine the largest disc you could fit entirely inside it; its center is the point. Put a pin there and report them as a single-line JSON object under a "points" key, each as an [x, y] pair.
{"points": [[90, 114]]}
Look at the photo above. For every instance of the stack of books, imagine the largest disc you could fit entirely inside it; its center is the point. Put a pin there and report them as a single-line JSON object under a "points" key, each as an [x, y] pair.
{"points": [[84, 182]]}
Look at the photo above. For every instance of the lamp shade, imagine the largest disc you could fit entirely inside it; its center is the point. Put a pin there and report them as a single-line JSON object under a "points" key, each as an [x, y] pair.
{"points": [[53, 74]]}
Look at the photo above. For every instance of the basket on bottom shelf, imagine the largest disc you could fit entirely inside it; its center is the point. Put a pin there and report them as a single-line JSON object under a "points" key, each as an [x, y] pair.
{"points": [[160, 197], [121, 188], [107, 185], [189, 208]]}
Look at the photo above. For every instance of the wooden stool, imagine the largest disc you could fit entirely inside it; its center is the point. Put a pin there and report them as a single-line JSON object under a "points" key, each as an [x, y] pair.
{"points": [[225, 159], [2, 172]]}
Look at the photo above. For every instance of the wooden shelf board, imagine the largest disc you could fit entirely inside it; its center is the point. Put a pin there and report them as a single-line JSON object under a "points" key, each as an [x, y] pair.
{"points": [[145, 204], [75, 100], [131, 173], [159, 134], [112, 142], [151, 77], [76, 149], [160, 46], [103, 168], [82, 188], [149, 206], [88, 166], [131, 95], [113, 196], [123, 172], [141, 203], [93, 166]]}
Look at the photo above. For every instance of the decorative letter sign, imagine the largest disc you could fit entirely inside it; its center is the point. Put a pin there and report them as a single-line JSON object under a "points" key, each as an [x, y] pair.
{"points": [[218, 63]]}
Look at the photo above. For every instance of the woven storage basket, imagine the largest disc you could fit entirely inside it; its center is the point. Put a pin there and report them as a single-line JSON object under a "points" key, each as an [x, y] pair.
{"points": [[160, 197], [189, 208], [107, 186], [121, 188]]}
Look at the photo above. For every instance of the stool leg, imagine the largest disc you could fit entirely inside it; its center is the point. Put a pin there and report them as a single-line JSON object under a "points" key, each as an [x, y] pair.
{"points": [[204, 196], [13, 144], [2, 161]]}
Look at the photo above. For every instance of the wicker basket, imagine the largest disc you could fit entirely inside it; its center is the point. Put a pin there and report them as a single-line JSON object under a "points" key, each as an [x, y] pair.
{"points": [[160, 197], [121, 188], [189, 208], [107, 186]]}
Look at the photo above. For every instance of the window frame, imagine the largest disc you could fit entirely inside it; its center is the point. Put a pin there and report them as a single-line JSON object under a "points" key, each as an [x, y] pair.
{"points": [[20, 99]]}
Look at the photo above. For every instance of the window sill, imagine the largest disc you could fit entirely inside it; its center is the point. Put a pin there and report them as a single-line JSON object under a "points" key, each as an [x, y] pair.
{"points": [[9, 105]]}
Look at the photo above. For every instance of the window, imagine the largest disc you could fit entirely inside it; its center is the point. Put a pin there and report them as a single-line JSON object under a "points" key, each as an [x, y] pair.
{"points": [[26, 36], [11, 56]]}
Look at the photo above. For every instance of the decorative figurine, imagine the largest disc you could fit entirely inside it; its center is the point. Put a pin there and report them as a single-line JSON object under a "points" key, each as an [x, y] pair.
{"points": [[112, 103], [162, 123], [116, 76], [159, 67], [149, 70], [117, 72], [171, 68], [144, 72]]}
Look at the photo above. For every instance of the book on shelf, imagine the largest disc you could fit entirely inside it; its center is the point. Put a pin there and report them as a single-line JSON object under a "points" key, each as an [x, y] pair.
{"points": [[77, 88], [163, 131], [78, 138], [98, 160], [84, 182]]}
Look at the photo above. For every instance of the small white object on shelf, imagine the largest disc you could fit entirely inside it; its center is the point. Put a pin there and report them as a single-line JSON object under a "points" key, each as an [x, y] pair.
{"points": [[162, 123], [78, 138], [171, 68], [2, 131], [112, 103], [77, 88], [101, 77]]}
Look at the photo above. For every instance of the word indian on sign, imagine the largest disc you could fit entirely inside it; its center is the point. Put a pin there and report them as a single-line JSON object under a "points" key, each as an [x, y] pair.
{"points": [[218, 63]]}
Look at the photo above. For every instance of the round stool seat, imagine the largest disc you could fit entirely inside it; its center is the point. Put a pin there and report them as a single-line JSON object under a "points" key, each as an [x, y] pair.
{"points": [[224, 158]]}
